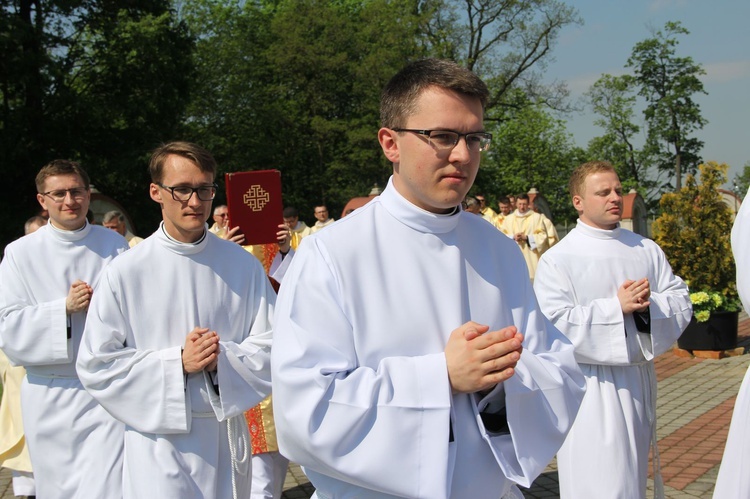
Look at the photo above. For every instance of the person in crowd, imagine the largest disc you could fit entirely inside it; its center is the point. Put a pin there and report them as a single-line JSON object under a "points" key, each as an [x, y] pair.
{"points": [[115, 220], [505, 208], [471, 205], [221, 220], [14, 453], [486, 212], [322, 218], [613, 294], [178, 342], [46, 284], [512, 199], [549, 227], [527, 229], [33, 224], [299, 228], [407, 361]]}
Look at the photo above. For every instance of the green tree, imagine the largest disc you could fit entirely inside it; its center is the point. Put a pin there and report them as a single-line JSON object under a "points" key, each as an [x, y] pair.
{"points": [[531, 149], [303, 97], [613, 98], [99, 82], [131, 88], [508, 44], [668, 83]]}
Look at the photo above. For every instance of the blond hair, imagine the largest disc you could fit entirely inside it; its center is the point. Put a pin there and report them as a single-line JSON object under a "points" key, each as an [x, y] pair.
{"points": [[579, 175]]}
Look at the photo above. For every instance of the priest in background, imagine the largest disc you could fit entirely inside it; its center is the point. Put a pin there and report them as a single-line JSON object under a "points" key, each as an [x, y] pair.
{"points": [[527, 229], [322, 218], [299, 228]]}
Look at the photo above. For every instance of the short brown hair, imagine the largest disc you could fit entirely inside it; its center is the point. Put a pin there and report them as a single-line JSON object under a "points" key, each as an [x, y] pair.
{"points": [[195, 153], [399, 98], [61, 167], [578, 178]]}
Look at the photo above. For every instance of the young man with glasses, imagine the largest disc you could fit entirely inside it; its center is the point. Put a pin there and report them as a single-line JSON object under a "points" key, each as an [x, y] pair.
{"points": [[178, 342], [46, 284], [407, 361]]}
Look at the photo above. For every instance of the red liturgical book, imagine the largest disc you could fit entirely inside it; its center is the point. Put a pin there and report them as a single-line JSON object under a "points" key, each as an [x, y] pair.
{"points": [[254, 202]]}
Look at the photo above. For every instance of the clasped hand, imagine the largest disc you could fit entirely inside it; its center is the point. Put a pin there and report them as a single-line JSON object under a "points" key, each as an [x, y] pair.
{"points": [[478, 360], [79, 297], [201, 351], [634, 296]]}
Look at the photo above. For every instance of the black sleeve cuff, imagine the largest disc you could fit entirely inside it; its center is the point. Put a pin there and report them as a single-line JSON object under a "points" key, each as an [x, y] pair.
{"points": [[643, 321], [496, 422]]}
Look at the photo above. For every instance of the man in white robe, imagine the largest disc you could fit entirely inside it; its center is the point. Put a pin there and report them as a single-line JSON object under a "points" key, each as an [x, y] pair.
{"points": [[14, 453], [178, 342], [399, 367], [46, 283], [527, 229], [613, 293], [733, 481]]}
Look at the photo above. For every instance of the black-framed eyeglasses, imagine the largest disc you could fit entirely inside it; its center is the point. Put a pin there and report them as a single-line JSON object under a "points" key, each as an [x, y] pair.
{"points": [[447, 139], [59, 195], [185, 192]]}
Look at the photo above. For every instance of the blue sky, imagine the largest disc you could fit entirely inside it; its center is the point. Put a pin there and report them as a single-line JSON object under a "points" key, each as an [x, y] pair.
{"points": [[719, 40]]}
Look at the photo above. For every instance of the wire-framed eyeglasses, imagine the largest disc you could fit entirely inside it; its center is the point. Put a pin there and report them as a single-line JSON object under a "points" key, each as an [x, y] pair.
{"points": [[185, 192], [59, 195], [447, 139]]}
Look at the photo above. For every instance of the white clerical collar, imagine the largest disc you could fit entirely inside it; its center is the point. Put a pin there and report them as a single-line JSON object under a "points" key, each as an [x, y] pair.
{"points": [[414, 216], [69, 235], [598, 233], [179, 247], [524, 214]]}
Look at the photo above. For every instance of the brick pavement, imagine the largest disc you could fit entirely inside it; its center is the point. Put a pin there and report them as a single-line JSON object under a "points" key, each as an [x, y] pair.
{"points": [[694, 407]]}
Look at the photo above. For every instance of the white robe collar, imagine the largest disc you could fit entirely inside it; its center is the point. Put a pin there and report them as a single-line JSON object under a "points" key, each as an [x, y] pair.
{"points": [[178, 247], [415, 217], [69, 235], [528, 213], [590, 231]]}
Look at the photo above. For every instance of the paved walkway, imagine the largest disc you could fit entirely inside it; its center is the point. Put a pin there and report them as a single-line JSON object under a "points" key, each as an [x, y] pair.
{"points": [[694, 407]]}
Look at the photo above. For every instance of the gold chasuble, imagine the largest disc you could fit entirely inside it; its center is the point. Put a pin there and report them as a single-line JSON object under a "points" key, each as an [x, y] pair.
{"points": [[531, 224]]}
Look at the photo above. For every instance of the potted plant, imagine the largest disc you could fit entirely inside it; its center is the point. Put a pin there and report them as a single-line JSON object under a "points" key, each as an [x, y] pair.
{"points": [[693, 230]]}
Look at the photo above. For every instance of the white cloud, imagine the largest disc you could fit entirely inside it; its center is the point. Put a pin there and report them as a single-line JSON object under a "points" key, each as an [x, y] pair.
{"points": [[724, 72]]}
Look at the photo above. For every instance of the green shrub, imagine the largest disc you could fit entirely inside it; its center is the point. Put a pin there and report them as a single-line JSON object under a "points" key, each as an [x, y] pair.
{"points": [[693, 230]]}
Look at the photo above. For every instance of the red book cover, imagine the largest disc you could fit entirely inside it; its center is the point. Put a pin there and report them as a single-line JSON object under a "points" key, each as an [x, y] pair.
{"points": [[254, 202]]}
